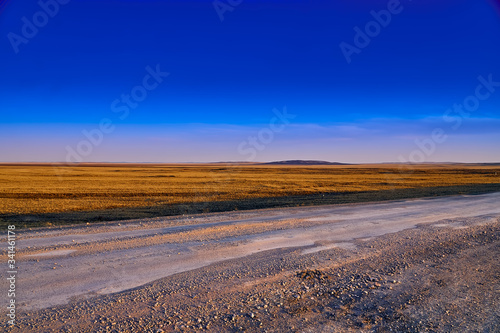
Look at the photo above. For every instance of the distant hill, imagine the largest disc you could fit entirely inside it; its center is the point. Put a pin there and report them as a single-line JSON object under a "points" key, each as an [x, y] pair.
{"points": [[304, 162]]}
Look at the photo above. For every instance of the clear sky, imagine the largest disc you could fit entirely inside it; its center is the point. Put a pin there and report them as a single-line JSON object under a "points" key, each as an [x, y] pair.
{"points": [[250, 80]]}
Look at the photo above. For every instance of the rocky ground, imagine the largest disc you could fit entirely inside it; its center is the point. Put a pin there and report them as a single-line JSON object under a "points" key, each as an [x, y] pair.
{"points": [[437, 277]]}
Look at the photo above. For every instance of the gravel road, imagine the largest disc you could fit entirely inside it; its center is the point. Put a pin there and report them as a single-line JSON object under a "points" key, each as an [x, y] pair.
{"points": [[359, 267]]}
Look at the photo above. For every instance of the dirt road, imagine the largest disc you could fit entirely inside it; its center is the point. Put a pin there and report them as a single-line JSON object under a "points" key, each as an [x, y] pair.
{"points": [[77, 263]]}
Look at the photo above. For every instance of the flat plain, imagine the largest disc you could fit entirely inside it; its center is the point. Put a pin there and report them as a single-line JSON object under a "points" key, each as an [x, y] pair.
{"points": [[43, 195], [255, 248]]}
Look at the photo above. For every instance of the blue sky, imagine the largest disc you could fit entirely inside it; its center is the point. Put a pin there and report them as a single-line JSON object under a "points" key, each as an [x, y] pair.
{"points": [[225, 78]]}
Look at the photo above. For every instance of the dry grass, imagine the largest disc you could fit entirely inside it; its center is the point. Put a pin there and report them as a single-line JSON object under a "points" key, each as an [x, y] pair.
{"points": [[42, 189]]}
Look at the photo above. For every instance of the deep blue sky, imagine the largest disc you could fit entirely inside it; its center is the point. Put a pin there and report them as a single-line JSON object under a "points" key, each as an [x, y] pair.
{"points": [[226, 77]]}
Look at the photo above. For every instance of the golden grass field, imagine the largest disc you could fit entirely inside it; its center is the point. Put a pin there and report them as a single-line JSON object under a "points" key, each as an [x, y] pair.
{"points": [[46, 189]]}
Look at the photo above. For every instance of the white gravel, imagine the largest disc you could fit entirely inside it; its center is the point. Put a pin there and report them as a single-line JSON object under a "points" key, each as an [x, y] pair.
{"points": [[57, 265]]}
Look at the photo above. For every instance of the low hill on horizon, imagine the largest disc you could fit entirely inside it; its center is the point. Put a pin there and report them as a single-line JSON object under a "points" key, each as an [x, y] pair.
{"points": [[304, 162]]}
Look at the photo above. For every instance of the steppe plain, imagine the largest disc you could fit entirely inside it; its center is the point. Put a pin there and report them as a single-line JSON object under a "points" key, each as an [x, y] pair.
{"points": [[228, 248]]}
